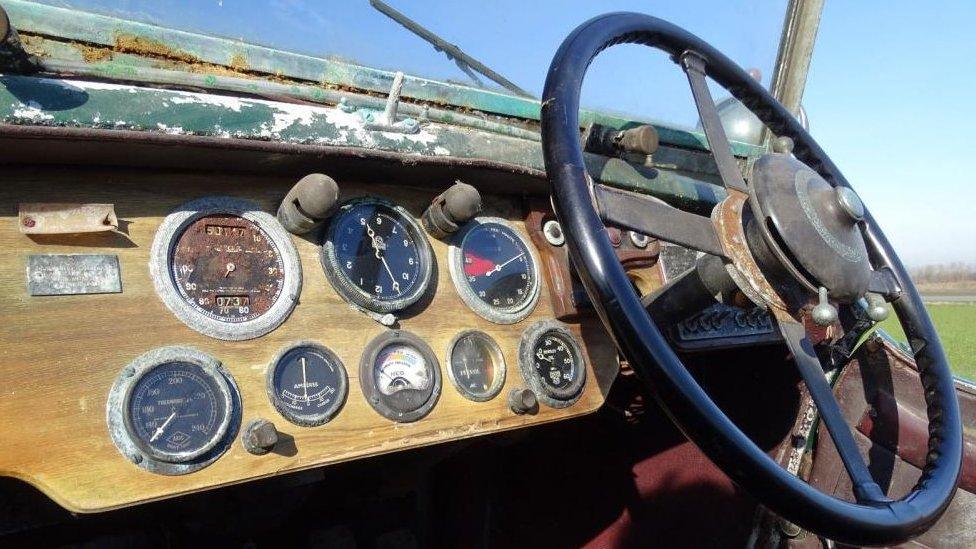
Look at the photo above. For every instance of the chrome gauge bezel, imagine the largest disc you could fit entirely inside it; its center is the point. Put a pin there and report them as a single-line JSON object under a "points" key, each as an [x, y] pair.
{"points": [[498, 380], [548, 395], [498, 315], [176, 463], [327, 414], [350, 291], [168, 234], [368, 382]]}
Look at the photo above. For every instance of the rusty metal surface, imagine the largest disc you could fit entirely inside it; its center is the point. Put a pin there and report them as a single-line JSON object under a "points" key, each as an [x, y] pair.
{"points": [[73, 274], [64, 218]]}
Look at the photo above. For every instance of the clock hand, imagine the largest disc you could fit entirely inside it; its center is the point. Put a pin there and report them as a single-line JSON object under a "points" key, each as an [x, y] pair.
{"points": [[396, 285]]}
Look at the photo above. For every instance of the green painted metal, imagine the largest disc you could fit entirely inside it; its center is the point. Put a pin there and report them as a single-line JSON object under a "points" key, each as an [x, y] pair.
{"points": [[27, 100], [105, 31]]}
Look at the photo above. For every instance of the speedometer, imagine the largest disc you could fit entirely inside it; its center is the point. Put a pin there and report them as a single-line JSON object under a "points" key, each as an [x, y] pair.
{"points": [[494, 270], [376, 256], [225, 268]]}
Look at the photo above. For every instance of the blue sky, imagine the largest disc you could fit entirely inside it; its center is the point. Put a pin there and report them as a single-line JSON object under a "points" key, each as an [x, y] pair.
{"points": [[889, 93]]}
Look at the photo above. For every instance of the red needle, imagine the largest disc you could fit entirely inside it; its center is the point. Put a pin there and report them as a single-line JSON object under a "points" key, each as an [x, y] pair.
{"points": [[477, 266]]}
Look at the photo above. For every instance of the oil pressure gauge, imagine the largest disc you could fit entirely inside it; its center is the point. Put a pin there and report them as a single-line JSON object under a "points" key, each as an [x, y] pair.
{"points": [[225, 268], [476, 366], [400, 376], [307, 384], [173, 410], [552, 363]]}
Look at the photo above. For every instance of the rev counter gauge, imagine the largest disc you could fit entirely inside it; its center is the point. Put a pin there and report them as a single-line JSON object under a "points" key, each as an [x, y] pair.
{"points": [[476, 366], [376, 255], [552, 363], [494, 270], [307, 384], [173, 410], [400, 376], [225, 268]]}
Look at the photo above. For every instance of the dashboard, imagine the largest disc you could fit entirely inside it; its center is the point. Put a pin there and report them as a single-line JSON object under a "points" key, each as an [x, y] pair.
{"points": [[199, 343]]}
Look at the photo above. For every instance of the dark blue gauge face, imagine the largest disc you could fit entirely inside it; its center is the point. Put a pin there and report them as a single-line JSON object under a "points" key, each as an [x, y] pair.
{"points": [[377, 252], [308, 384], [554, 360], [497, 266], [176, 408]]}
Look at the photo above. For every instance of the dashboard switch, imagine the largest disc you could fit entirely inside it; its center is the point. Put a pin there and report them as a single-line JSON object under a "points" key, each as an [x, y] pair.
{"points": [[523, 401], [260, 437], [310, 202]]}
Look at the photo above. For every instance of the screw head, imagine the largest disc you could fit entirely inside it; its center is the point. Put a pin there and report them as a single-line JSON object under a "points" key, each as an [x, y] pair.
{"points": [[29, 221]]}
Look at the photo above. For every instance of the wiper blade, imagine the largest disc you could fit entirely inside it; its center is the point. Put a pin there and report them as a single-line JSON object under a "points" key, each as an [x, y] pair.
{"points": [[464, 61]]}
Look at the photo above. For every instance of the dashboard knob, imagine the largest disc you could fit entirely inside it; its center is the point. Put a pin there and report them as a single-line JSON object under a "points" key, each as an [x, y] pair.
{"points": [[451, 209], [310, 202], [259, 437], [523, 401]]}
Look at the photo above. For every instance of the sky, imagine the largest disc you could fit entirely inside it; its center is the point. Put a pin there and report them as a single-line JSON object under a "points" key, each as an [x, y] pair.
{"points": [[888, 95]]}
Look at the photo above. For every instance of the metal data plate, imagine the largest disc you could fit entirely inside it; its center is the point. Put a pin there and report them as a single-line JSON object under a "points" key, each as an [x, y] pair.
{"points": [[73, 274]]}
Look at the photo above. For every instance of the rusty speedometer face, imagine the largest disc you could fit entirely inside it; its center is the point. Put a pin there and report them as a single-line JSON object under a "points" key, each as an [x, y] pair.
{"points": [[228, 268], [225, 268]]}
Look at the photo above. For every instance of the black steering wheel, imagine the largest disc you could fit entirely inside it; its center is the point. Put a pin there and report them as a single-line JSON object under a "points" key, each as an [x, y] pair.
{"points": [[795, 236]]}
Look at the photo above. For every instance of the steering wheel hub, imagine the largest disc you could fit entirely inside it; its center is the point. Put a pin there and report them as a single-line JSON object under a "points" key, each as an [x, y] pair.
{"points": [[813, 225]]}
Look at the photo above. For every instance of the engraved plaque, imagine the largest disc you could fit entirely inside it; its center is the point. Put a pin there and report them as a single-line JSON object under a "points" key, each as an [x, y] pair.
{"points": [[73, 274]]}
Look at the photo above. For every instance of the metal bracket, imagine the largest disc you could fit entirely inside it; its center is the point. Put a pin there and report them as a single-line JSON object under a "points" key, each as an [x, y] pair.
{"points": [[386, 121]]}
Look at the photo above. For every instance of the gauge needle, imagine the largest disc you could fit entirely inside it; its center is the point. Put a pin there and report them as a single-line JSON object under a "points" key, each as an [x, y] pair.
{"points": [[304, 379], [159, 430], [230, 268], [502, 265]]}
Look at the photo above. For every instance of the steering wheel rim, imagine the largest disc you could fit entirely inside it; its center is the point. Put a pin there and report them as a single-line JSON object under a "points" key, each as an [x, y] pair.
{"points": [[639, 339]]}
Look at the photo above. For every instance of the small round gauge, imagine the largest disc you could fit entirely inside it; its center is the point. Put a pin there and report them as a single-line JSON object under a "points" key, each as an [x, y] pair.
{"points": [[494, 270], [376, 256], [552, 363], [476, 365], [172, 409], [307, 384], [400, 376], [226, 269]]}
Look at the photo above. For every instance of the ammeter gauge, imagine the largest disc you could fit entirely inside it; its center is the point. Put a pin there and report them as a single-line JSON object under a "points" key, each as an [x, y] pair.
{"points": [[476, 366], [400, 376], [376, 255], [173, 410], [552, 363], [494, 270], [225, 268], [307, 384]]}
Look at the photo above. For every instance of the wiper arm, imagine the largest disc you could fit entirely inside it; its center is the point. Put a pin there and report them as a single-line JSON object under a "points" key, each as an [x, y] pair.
{"points": [[464, 61]]}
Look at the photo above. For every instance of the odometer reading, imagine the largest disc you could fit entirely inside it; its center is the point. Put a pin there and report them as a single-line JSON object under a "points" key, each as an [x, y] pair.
{"points": [[552, 363], [228, 268], [376, 256], [176, 409], [307, 384], [494, 270]]}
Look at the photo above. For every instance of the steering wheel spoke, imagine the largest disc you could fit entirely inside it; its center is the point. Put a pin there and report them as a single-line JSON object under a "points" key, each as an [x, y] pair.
{"points": [[693, 64], [866, 490], [653, 217]]}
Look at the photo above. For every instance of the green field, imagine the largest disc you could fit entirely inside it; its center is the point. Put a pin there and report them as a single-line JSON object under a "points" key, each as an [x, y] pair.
{"points": [[956, 324]]}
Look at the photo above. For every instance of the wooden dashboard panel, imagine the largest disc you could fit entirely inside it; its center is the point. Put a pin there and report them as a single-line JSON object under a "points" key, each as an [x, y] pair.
{"points": [[60, 355]]}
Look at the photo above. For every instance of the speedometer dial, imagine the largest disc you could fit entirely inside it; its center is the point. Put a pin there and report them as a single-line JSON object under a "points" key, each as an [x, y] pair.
{"points": [[494, 270], [400, 376], [225, 268], [376, 256]]}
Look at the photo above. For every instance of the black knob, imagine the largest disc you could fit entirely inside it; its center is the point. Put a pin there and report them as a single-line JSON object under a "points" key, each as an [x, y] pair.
{"points": [[523, 401], [451, 209], [260, 436]]}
